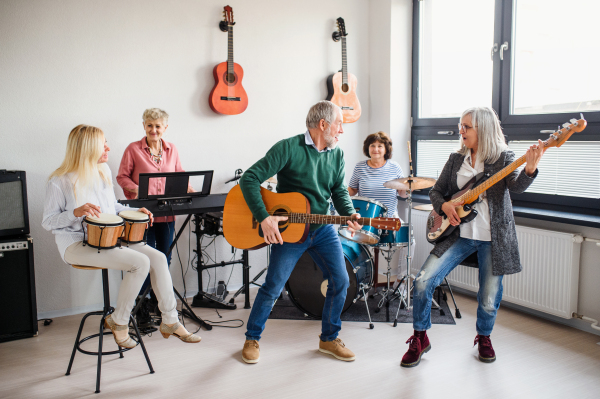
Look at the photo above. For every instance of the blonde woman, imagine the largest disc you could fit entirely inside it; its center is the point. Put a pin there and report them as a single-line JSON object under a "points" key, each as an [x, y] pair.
{"points": [[491, 234], [82, 186]]}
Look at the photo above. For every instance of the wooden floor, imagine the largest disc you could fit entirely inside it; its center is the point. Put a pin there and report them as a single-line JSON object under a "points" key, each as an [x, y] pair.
{"points": [[536, 359]]}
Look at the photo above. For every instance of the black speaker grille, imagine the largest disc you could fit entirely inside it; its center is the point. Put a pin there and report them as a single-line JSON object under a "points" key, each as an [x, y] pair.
{"points": [[11, 206]]}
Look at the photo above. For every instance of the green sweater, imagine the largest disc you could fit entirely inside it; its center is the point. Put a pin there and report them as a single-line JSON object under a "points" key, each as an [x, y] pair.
{"points": [[299, 168]]}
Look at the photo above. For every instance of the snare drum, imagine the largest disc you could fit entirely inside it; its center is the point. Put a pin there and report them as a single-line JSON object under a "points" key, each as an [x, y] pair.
{"points": [[367, 208], [394, 238], [103, 232], [136, 226], [307, 288]]}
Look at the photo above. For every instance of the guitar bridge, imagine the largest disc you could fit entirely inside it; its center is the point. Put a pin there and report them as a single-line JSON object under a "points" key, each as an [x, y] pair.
{"points": [[348, 108], [254, 222], [225, 98]]}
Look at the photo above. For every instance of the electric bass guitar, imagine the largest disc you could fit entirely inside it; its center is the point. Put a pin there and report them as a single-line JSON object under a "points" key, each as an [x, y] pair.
{"points": [[439, 227], [341, 86], [243, 231], [228, 96]]}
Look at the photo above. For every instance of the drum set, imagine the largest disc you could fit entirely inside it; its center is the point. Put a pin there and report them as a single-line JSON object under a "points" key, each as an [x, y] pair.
{"points": [[306, 287], [109, 231]]}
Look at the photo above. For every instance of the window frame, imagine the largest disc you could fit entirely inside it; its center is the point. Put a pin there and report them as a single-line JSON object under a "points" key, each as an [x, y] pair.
{"points": [[515, 127]]}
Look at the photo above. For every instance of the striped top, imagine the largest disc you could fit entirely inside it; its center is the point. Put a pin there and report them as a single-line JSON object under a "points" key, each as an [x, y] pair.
{"points": [[369, 183], [60, 203]]}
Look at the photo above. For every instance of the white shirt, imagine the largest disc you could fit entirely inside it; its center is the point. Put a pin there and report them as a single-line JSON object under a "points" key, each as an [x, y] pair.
{"points": [[60, 202], [309, 141], [369, 183], [478, 228]]}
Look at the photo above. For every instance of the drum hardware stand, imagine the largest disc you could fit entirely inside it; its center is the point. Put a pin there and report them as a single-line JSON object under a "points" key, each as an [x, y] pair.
{"points": [[362, 288], [386, 296]]}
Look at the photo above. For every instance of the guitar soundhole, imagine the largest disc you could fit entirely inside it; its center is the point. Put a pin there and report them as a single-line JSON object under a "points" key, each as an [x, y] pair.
{"points": [[230, 78], [345, 87], [282, 212]]}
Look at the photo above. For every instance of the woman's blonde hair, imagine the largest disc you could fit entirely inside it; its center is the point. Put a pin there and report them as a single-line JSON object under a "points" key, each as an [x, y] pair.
{"points": [[153, 114], [490, 139], [84, 148]]}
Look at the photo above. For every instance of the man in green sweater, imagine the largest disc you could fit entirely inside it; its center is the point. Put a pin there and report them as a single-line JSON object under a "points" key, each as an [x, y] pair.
{"points": [[310, 164]]}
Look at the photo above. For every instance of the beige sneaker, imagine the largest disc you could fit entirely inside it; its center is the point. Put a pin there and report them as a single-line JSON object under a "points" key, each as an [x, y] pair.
{"points": [[251, 351], [337, 349]]}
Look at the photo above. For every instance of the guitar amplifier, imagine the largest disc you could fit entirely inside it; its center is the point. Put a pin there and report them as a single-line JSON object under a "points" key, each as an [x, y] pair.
{"points": [[14, 216], [17, 289]]}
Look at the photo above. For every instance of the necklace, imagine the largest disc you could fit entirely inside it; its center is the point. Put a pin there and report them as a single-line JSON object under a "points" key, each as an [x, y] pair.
{"points": [[158, 157]]}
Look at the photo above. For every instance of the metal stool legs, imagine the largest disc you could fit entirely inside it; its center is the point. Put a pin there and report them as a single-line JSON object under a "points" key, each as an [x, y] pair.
{"points": [[104, 313]]}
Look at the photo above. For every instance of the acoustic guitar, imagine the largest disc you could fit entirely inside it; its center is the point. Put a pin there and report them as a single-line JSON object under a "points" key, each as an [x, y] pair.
{"points": [[439, 227], [341, 86], [243, 231], [228, 96]]}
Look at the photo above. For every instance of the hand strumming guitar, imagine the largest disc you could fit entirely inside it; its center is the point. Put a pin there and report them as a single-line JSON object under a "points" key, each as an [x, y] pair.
{"points": [[449, 208]]}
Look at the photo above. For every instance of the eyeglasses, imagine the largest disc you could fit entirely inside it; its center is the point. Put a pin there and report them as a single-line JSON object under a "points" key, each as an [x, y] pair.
{"points": [[466, 127]]}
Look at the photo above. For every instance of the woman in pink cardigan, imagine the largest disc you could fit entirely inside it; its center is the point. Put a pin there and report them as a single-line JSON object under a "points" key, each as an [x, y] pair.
{"points": [[151, 154]]}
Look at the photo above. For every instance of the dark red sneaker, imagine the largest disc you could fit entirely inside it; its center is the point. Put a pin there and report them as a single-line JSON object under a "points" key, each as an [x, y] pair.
{"points": [[486, 352], [419, 344]]}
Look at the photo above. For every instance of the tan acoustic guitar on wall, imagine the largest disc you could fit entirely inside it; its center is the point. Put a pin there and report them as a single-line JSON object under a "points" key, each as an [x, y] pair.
{"points": [[243, 231], [341, 86]]}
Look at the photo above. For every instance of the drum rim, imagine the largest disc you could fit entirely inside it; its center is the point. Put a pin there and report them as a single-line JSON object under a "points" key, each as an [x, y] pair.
{"points": [[365, 232], [100, 224], [134, 220], [372, 201]]}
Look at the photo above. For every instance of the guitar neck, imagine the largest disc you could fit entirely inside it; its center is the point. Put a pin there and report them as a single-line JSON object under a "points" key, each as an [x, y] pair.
{"points": [[344, 62], [310, 218], [473, 194], [230, 49]]}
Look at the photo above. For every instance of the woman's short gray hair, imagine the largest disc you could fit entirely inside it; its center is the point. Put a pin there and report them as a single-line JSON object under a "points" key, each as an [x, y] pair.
{"points": [[322, 110], [154, 114], [490, 139]]}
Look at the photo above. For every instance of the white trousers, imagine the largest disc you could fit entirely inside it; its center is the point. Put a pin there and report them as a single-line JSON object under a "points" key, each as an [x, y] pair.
{"points": [[136, 261]]}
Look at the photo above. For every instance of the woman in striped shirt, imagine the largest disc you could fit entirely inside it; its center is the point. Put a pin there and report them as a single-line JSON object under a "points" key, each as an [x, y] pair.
{"points": [[369, 176], [82, 186]]}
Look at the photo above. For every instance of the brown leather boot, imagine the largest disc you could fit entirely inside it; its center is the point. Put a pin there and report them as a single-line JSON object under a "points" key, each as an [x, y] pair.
{"points": [[251, 351], [337, 349], [486, 351], [419, 344]]}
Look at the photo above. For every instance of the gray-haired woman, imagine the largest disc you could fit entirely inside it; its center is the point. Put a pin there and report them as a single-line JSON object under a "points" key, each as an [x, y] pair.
{"points": [[491, 234]]}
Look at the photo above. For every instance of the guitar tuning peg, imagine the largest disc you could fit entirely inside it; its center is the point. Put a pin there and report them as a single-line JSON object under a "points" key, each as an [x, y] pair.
{"points": [[573, 120], [566, 124], [581, 114]]}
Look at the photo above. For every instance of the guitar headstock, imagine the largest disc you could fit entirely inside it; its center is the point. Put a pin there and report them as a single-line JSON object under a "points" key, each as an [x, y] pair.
{"points": [[228, 15], [559, 137], [341, 27], [387, 223]]}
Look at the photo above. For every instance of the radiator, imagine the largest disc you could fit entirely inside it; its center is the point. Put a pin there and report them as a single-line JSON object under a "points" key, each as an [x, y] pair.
{"points": [[549, 281]]}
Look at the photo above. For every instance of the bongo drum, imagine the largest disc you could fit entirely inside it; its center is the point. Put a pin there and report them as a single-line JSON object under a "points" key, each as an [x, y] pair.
{"points": [[136, 225], [103, 232]]}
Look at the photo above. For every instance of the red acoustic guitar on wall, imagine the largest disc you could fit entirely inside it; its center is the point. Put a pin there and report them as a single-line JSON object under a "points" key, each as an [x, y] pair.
{"points": [[228, 96]]}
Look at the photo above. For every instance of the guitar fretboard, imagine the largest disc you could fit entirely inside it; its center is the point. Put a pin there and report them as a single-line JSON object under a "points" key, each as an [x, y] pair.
{"points": [[344, 62], [229, 49], [382, 223]]}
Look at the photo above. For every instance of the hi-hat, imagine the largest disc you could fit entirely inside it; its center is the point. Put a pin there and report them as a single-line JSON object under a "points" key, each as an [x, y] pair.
{"points": [[424, 207], [272, 180], [416, 183]]}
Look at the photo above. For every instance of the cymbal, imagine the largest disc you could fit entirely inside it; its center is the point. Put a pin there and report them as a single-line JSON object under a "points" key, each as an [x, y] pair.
{"points": [[272, 180], [424, 207], [417, 183]]}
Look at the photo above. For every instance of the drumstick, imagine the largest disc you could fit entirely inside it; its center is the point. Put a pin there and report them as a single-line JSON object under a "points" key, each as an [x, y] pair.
{"points": [[410, 159]]}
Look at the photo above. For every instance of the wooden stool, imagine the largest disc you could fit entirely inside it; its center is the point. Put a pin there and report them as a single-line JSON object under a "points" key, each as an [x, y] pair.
{"points": [[107, 310]]}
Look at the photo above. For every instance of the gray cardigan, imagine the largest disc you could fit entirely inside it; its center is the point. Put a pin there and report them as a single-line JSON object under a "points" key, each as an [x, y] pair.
{"points": [[505, 249]]}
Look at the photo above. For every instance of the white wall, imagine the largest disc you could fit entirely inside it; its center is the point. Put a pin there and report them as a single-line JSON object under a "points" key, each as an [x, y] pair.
{"points": [[102, 63]]}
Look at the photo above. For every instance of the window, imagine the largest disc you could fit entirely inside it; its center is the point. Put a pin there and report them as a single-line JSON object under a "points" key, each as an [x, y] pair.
{"points": [[534, 62]]}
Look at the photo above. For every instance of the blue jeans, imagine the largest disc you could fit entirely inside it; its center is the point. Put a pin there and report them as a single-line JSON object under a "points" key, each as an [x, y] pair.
{"points": [[160, 236], [325, 248], [435, 269]]}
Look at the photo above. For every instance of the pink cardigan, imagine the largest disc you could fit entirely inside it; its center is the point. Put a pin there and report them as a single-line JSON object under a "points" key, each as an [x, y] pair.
{"points": [[137, 159]]}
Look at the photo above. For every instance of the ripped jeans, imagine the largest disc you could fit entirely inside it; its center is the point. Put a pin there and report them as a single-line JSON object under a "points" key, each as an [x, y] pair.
{"points": [[435, 269]]}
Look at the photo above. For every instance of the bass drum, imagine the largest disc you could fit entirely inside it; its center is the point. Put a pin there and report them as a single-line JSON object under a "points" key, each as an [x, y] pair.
{"points": [[307, 288]]}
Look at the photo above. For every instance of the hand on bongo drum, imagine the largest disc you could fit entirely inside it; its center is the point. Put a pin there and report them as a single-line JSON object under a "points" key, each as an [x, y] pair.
{"points": [[147, 212], [87, 210]]}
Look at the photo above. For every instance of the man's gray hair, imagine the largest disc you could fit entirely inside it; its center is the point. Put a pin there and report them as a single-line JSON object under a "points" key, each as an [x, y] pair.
{"points": [[322, 110]]}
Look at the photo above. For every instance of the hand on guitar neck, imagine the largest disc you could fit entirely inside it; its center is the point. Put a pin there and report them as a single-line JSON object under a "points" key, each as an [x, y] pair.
{"points": [[270, 227]]}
